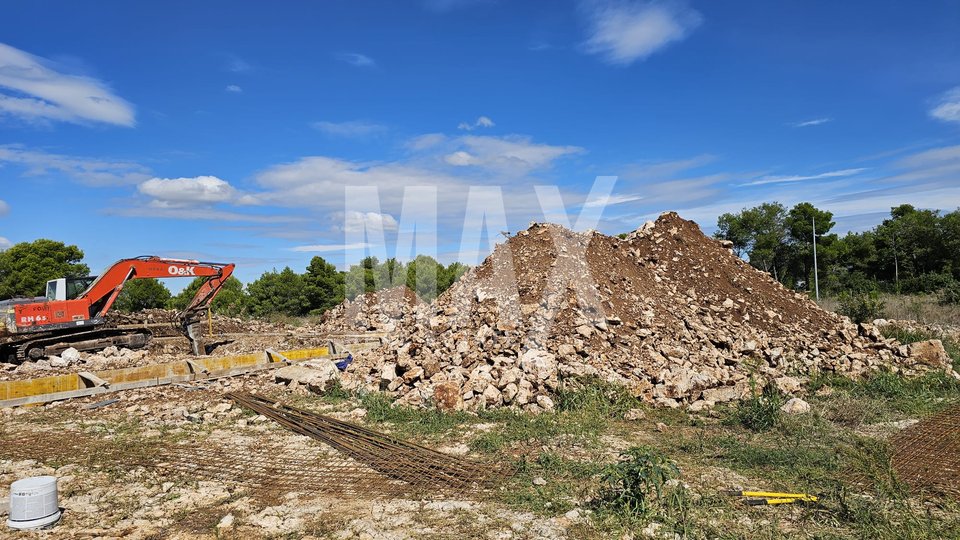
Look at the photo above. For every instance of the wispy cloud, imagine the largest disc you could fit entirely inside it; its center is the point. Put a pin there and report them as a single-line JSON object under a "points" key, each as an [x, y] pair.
{"points": [[814, 122], [89, 171], [481, 122], [356, 59], [327, 248], [234, 89], [623, 32], [800, 178], [947, 107], [5, 244], [235, 64], [36, 91], [352, 129], [4, 208], [611, 200]]}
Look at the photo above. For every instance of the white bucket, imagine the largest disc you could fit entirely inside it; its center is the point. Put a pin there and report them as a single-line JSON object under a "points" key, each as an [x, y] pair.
{"points": [[33, 503]]}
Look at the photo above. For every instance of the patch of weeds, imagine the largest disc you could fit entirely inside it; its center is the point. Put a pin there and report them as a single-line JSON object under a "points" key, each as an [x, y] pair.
{"points": [[595, 395], [762, 410], [582, 425], [409, 420], [634, 484], [566, 481], [914, 395]]}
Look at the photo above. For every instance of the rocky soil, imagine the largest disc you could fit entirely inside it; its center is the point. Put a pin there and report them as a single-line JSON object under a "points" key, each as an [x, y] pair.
{"points": [[669, 312]]}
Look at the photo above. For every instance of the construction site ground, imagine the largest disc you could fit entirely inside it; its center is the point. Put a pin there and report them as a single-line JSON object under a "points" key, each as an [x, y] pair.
{"points": [[254, 479]]}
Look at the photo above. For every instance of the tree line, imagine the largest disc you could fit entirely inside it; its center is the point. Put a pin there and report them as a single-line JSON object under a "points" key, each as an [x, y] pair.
{"points": [[912, 251], [26, 267]]}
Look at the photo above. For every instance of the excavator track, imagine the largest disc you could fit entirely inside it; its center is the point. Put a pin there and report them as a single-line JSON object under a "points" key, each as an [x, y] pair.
{"points": [[39, 346]]}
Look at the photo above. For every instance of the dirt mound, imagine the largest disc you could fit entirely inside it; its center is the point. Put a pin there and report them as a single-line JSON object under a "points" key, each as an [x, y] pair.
{"points": [[668, 311], [380, 311]]}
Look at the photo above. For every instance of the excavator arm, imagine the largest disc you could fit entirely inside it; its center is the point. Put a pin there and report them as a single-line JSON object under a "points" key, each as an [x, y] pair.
{"points": [[103, 292]]}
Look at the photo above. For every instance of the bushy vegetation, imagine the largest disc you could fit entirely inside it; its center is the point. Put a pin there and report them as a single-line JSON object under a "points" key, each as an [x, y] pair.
{"points": [[632, 485], [913, 251], [861, 306], [761, 411]]}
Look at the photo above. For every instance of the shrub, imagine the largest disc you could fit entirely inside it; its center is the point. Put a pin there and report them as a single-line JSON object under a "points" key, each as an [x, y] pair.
{"points": [[632, 484], [762, 411], [862, 307], [950, 295]]}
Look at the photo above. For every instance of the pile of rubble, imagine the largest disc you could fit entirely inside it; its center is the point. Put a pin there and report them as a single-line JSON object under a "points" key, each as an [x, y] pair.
{"points": [[381, 311], [668, 312]]}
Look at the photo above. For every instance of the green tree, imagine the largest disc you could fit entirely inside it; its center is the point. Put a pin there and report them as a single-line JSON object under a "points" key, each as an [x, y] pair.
{"points": [[361, 278], [230, 301], [450, 275], [140, 294], [799, 224], [760, 233], [325, 285], [26, 267], [422, 274], [281, 292]]}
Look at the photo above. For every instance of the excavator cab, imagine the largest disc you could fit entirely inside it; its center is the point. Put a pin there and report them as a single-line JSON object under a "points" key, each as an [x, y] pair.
{"points": [[68, 288]]}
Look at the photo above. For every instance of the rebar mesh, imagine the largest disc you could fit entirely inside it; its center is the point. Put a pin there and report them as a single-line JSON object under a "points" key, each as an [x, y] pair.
{"points": [[264, 464], [926, 455]]}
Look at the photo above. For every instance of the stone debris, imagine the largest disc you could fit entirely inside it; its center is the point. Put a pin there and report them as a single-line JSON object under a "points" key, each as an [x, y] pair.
{"points": [[668, 312], [795, 406], [317, 376], [380, 311]]}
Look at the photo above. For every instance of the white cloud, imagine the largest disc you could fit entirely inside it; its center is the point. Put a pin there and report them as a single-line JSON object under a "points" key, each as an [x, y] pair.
{"points": [[798, 178], [4, 208], [4, 243], [353, 128], [623, 31], [200, 190], [511, 154], [483, 121], [461, 159], [326, 248], [234, 89], [814, 122], [34, 91], [360, 221], [947, 107], [356, 59], [89, 171]]}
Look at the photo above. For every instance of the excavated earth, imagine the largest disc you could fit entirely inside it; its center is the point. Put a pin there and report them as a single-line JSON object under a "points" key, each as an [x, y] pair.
{"points": [[669, 312]]}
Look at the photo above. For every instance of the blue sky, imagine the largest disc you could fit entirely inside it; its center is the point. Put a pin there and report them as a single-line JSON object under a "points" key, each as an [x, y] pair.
{"points": [[227, 131]]}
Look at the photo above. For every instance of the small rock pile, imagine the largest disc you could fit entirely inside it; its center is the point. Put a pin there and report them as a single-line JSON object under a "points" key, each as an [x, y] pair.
{"points": [[381, 311], [668, 312]]}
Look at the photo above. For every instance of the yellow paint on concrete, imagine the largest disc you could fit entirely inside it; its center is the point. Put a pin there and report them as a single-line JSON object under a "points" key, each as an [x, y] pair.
{"points": [[70, 382]]}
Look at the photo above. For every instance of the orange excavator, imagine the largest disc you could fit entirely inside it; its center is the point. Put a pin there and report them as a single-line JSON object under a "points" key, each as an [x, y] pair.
{"points": [[74, 311]]}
